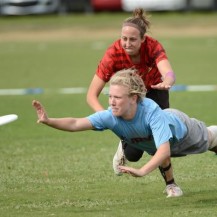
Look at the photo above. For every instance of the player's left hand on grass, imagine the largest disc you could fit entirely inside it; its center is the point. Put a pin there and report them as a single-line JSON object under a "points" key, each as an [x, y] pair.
{"points": [[131, 171], [42, 115]]}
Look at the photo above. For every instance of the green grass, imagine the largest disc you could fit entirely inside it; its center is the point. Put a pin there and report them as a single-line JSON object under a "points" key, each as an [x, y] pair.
{"points": [[193, 60], [45, 172]]}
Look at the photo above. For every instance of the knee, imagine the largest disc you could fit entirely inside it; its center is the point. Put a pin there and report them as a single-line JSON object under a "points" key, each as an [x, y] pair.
{"points": [[132, 157]]}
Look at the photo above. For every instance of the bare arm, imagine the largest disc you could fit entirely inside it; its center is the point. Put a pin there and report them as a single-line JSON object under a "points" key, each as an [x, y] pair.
{"points": [[168, 76], [65, 124], [162, 154], [95, 88]]}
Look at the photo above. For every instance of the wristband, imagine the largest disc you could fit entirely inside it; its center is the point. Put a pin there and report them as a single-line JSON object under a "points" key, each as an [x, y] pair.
{"points": [[171, 74]]}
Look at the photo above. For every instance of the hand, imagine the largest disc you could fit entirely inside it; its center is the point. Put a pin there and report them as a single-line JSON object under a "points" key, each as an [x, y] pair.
{"points": [[42, 115], [161, 86], [131, 171]]}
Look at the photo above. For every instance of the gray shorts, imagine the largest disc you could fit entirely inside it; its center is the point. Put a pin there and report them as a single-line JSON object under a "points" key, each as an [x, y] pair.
{"points": [[196, 139]]}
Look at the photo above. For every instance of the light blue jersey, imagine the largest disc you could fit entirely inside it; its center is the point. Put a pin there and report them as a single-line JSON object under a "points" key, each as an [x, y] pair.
{"points": [[147, 131]]}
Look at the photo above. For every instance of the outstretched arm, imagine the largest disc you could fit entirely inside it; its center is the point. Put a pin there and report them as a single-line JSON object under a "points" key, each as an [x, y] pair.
{"points": [[160, 156], [65, 124]]}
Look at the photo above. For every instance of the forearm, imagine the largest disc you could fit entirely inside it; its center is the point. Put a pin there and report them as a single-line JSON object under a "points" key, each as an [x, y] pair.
{"points": [[94, 103], [169, 78], [65, 124], [157, 160], [160, 156], [95, 88], [167, 75]]}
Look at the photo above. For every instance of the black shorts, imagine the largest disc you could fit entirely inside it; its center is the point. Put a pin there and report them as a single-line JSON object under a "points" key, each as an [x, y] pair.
{"points": [[161, 97]]}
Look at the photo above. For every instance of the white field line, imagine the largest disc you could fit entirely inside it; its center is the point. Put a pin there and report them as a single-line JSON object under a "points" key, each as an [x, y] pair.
{"points": [[82, 90]]}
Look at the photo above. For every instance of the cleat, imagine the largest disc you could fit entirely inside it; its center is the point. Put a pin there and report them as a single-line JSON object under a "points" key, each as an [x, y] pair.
{"points": [[119, 160], [173, 190]]}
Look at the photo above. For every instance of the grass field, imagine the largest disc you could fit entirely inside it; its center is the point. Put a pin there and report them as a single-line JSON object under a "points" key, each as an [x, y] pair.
{"points": [[45, 172]]}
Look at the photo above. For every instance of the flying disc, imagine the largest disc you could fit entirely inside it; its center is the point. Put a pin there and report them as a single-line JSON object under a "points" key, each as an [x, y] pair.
{"points": [[7, 119]]}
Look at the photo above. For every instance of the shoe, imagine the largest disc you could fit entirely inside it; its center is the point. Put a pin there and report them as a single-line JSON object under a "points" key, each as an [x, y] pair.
{"points": [[213, 142], [214, 150], [119, 160], [173, 190]]}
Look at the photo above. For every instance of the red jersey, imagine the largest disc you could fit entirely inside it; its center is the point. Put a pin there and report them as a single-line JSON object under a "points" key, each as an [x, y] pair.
{"points": [[116, 59]]}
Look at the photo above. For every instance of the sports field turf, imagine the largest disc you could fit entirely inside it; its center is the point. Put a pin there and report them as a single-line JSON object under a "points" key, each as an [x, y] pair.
{"points": [[45, 172]]}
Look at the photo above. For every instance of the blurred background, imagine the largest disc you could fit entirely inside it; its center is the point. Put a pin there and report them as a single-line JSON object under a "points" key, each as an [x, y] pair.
{"points": [[26, 7], [49, 51]]}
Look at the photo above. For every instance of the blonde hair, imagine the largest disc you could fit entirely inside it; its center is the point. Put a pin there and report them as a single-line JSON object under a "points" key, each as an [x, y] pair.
{"points": [[139, 20], [130, 79]]}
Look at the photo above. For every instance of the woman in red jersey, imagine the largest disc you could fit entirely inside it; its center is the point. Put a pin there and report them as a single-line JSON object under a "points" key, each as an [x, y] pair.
{"points": [[137, 50]]}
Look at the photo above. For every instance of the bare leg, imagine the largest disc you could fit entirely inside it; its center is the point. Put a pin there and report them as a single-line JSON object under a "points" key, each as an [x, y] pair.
{"points": [[172, 189], [167, 171]]}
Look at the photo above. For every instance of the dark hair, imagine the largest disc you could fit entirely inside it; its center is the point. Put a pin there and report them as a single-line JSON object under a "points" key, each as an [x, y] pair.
{"points": [[139, 19]]}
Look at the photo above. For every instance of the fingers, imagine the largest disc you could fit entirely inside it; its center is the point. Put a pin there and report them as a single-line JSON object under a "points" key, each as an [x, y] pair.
{"points": [[161, 86], [123, 169], [130, 171], [126, 170], [36, 104], [40, 111]]}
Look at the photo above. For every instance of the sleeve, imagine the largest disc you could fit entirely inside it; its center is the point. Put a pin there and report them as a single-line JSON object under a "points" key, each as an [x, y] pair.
{"points": [[102, 120], [156, 52], [160, 127], [159, 52], [105, 68]]}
